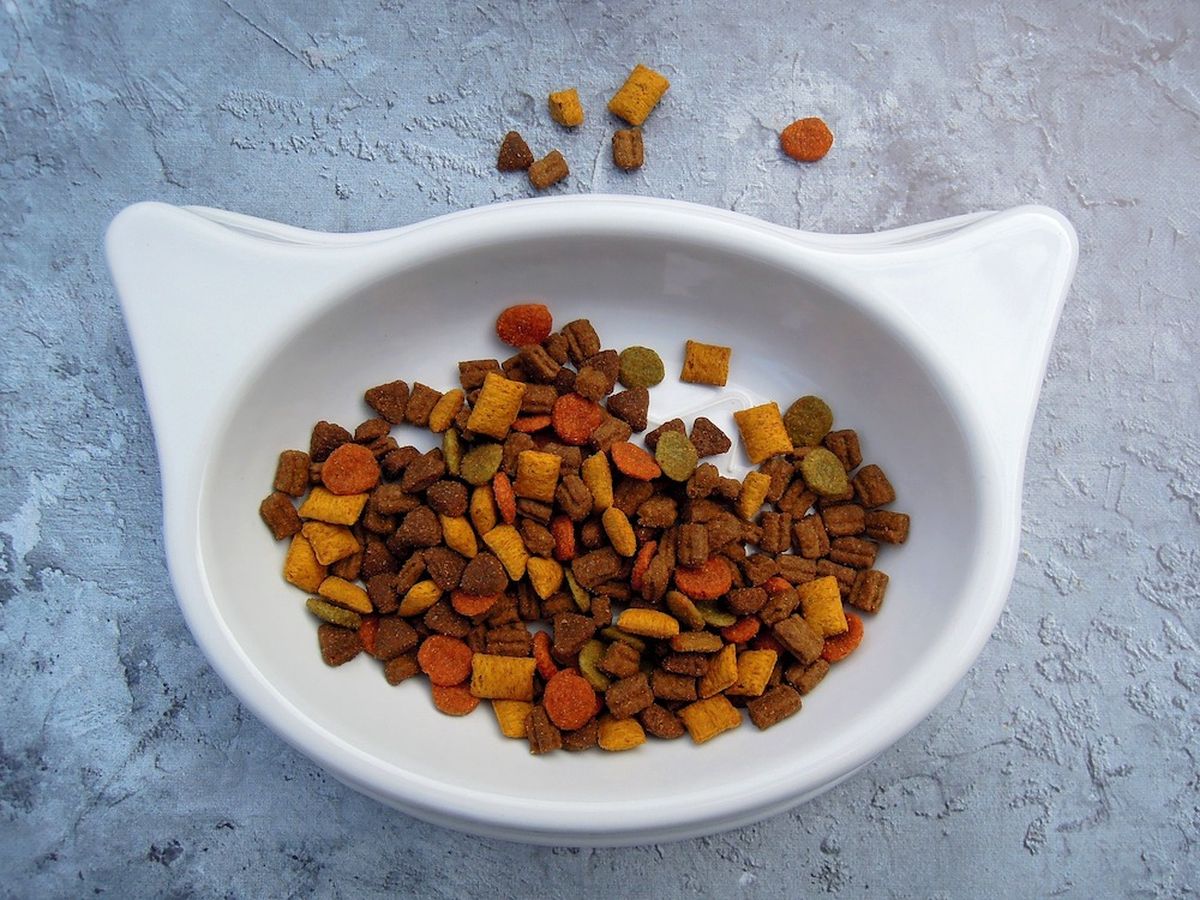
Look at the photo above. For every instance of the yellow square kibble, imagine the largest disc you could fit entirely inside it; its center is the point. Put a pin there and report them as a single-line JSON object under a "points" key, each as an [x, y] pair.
{"points": [[754, 668], [545, 575], [482, 509], [763, 432], [822, 604], [597, 475], [326, 506], [722, 672], [345, 594], [508, 545], [419, 598], [510, 716], [459, 535], [301, 566], [615, 735], [537, 475], [565, 108], [638, 96], [442, 415], [705, 719], [497, 406], [648, 623], [502, 677], [753, 494], [330, 542], [705, 363]]}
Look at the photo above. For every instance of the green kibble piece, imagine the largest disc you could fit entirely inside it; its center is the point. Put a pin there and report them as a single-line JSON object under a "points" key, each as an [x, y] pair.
{"points": [[640, 367], [589, 656], [823, 473], [334, 615], [480, 463], [613, 633], [713, 616], [807, 421], [676, 456], [581, 597], [452, 451]]}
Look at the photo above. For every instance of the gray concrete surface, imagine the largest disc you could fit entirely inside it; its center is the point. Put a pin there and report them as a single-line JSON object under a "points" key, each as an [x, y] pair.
{"points": [[1065, 763]]}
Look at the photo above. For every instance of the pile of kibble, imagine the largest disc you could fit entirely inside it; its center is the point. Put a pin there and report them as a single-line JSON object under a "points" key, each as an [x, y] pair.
{"points": [[674, 596]]}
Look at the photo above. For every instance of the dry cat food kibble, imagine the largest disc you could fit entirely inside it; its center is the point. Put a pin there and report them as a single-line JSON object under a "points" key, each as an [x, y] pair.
{"points": [[675, 597], [806, 140]]}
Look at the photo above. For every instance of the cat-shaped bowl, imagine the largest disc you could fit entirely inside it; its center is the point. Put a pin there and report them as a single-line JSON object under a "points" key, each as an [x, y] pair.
{"points": [[931, 341]]}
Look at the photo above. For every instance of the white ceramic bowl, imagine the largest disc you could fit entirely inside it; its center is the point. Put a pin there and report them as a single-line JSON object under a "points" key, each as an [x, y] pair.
{"points": [[931, 340]]}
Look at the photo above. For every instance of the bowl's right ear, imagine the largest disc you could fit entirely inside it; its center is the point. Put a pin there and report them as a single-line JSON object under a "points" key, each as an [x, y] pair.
{"points": [[983, 300]]}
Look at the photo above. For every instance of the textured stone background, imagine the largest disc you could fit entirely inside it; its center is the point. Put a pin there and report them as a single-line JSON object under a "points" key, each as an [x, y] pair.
{"points": [[1065, 763]]}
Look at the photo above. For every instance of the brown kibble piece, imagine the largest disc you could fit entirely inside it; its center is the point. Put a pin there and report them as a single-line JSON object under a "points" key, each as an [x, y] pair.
{"points": [[338, 645], [420, 528], [393, 637], [620, 659], [651, 438], [627, 149], [401, 668], [661, 722], [420, 404], [471, 372], [796, 569], [776, 532], [571, 632], [844, 445], [676, 687], [747, 601], [693, 545], [872, 487], [514, 155], [483, 575], [844, 519], [291, 473], [774, 706], [853, 552], [372, 430], [539, 364], [584, 738], [280, 514], [867, 592], [799, 638], [811, 539], [629, 696], [389, 400], [543, 735], [631, 406], [381, 590], [423, 471], [779, 605], [708, 439], [886, 526], [444, 566], [804, 678], [549, 170], [582, 341], [326, 437]]}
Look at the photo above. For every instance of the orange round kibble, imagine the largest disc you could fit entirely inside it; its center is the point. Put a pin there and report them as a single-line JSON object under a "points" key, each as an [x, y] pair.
{"points": [[633, 461], [569, 700], [524, 324], [530, 424], [742, 630], [708, 581], [806, 140], [445, 660], [839, 647], [575, 418], [454, 699], [350, 469]]}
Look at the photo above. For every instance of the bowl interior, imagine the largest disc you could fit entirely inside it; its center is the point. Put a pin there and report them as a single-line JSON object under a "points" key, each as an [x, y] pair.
{"points": [[791, 335]]}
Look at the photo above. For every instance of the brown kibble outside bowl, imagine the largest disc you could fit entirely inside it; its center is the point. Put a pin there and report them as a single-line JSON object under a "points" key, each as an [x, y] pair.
{"points": [[806, 140], [627, 149]]}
